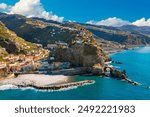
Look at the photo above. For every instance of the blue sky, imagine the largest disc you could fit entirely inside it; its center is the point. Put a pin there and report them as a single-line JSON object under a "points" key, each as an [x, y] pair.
{"points": [[86, 10]]}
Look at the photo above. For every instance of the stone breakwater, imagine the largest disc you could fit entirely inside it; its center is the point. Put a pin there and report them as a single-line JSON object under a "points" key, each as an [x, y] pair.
{"points": [[61, 86]]}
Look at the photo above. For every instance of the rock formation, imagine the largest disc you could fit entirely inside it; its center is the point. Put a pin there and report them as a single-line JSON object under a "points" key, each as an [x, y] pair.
{"points": [[81, 55]]}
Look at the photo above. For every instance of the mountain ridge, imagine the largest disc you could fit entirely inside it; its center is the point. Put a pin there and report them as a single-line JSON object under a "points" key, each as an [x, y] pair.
{"points": [[119, 35], [38, 30]]}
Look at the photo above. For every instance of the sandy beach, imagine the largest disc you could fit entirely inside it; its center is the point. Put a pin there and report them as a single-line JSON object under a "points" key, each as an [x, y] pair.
{"points": [[35, 79], [49, 82]]}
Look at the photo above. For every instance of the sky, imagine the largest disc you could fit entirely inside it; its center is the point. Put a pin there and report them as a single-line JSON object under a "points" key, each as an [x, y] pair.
{"points": [[98, 12]]}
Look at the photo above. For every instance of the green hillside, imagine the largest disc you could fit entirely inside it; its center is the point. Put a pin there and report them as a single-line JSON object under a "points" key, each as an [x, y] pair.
{"points": [[12, 43]]}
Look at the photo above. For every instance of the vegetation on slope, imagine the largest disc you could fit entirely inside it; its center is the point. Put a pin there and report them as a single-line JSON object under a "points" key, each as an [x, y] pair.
{"points": [[117, 35], [12, 43]]}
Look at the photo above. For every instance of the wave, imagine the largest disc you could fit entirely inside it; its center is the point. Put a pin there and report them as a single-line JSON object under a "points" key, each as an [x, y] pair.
{"points": [[7, 87], [12, 87]]}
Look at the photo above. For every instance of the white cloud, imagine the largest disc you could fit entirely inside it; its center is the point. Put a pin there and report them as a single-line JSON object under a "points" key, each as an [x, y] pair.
{"points": [[3, 6], [116, 22], [31, 8], [142, 22]]}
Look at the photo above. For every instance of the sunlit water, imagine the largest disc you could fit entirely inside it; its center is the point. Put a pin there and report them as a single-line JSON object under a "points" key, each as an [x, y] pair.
{"points": [[137, 64]]}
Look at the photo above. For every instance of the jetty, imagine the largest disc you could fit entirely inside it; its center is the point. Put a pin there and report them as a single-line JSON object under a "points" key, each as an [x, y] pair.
{"points": [[59, 87]]}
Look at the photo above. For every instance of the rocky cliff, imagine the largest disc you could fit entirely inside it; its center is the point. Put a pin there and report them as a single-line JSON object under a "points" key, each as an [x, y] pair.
{"points": [[85, 55]]}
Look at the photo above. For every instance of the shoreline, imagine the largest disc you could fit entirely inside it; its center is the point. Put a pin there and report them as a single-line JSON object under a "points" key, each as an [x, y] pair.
{"points": [[61, 83], [131, 47], [44, 82]]}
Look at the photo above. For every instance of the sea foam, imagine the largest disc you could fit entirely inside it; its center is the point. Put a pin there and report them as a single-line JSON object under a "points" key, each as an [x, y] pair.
{"points": [[7, 87], [12, 87], [144, 50]]}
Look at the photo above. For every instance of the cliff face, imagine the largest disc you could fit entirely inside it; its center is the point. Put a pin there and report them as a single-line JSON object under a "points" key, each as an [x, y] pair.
{"points": [[82, 55]]}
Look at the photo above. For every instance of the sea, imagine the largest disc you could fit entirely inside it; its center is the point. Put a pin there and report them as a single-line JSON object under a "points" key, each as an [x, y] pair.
{"points": [[136, 62]]}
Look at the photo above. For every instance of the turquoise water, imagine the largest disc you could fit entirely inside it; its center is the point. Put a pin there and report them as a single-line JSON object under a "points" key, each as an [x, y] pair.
{"points": [[137, 64]]}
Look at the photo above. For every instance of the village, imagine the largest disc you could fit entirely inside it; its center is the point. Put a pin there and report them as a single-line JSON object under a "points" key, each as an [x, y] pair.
{"points": [[38, 62], [21, 62]]}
